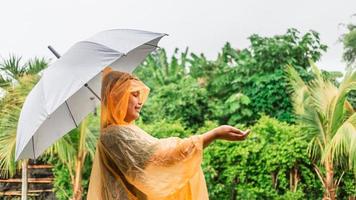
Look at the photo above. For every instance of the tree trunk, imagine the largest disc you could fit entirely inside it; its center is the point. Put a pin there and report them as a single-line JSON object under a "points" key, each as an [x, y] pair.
{"points": [[233, 194], [330, 192], [274, 179], [79, 163], [77, 189], [24, 180], [293, 179]]}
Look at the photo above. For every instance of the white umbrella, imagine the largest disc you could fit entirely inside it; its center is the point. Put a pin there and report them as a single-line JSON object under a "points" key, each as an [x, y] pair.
{"points": [[69, 89]]}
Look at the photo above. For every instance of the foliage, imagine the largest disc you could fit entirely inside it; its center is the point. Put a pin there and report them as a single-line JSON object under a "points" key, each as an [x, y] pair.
{"points": [[184, 101], [329, 121], [349, 42], [157, 71], [62, 182], [325, 112], [237, 88], [233, 110], [247, 170], [347, 187], [12, 68], [63, 187], [10, 106], [64, 170], [257, 71], [163, 128], [17, 83], [260, 167]]}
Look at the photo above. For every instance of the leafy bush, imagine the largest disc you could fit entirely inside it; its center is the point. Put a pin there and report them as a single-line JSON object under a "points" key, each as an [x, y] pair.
{"points": [[262, 167]]}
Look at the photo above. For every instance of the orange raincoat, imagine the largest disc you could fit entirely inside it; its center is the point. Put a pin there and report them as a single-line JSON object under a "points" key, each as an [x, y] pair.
{"points": [[131, 164]]}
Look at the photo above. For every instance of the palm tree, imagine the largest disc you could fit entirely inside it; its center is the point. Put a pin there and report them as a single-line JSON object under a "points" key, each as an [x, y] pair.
{"points": [[12, 68], [330, 123], [74, 148], [85, 145], [12, 72], [10, 106], [71, 152]]}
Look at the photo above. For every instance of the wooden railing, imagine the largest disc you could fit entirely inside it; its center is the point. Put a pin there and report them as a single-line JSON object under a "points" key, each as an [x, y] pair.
{"points": [[40, 182]]}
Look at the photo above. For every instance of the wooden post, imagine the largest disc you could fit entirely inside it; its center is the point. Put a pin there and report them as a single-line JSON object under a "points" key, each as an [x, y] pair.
{"points": [[24, 180]]}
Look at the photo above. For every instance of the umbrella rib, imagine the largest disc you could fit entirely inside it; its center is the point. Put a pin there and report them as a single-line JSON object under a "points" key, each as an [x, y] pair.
{"points": [[87, 86], [33, 148], [70, 112], [152, 45]]}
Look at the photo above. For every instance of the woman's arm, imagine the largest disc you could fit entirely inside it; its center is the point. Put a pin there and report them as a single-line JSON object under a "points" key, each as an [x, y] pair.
{"points": [[224, 132]]}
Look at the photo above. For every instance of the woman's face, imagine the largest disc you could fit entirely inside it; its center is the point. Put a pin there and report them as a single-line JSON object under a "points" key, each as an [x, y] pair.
{"points": [[134, 107]]}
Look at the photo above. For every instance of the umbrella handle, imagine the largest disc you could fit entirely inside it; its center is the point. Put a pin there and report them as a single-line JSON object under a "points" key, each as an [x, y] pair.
{"points": [[53, 51]]}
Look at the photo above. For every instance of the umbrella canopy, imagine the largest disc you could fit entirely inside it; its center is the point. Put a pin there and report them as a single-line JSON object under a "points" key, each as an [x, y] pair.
{"points": [[69, 89]]}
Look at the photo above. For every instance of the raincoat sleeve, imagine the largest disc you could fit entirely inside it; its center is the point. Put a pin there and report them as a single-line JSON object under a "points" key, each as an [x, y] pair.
{"points": [[156, 167], [172, 165]]}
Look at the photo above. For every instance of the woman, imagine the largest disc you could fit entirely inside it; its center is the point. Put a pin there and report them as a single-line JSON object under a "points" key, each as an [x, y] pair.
{"points": [[131, 164]]}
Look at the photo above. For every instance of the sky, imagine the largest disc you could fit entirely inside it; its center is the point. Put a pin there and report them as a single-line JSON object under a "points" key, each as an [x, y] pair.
{"points": [[28, 27]]}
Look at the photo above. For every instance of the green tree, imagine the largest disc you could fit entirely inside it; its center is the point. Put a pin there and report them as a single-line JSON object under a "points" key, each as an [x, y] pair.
{"points": [[349, 42], [257, 71], [158, 71], [184, 100], [330, 124], [10, 106], [271, 163]]}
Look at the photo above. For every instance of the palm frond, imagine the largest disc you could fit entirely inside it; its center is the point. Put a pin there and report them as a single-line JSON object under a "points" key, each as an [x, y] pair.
{"points": [[316, 71], [314, 149], [8, 127], [304, 105], [64, 150], [7, 153], [13, 67], [315, 123], [343, 144], [10, 107], [36, 65], [338, 110], [90, 143], [299, 90]]}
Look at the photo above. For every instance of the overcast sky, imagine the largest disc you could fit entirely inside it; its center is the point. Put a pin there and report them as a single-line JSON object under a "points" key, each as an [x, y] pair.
{"points": [[28, 27]]}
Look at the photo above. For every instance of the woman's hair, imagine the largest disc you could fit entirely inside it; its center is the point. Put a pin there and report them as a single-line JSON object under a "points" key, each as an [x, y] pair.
{"points": [[115, 93]]}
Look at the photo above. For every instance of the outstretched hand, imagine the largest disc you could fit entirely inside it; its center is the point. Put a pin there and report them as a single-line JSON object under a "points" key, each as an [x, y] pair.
{"points": [[224, 132], [230, 133]]}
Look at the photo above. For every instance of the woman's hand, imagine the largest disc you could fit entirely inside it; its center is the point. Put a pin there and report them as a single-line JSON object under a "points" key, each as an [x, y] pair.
{"points": [[224, 132], [230, 133]]}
